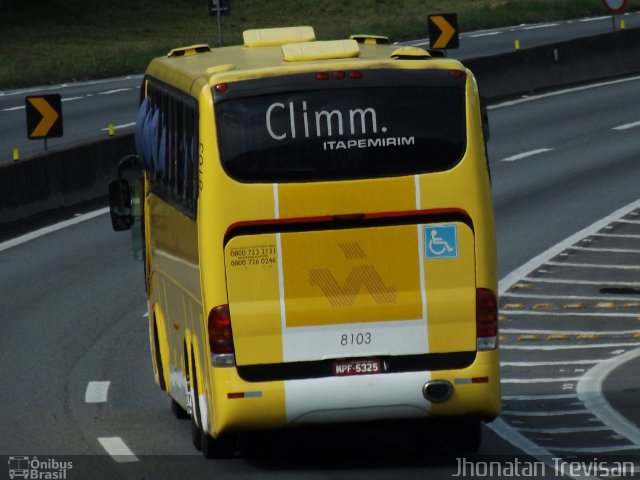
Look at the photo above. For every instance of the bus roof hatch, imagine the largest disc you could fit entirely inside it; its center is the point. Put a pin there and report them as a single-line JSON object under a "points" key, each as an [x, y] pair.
{"points": [[334, 49], [274, 37]]}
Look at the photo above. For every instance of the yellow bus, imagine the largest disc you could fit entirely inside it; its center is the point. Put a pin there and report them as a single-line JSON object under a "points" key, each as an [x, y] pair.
{"points": [[318, 236]]}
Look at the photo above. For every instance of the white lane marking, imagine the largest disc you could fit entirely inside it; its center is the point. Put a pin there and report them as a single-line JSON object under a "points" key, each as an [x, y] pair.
{"points": [[632, 222], [590, 392], [556, 93], [606, 250], [557, 396], [627, 126], [70, 99], [569, 281], [556, 431], [595, 450], [536, 27], [594, 19], [69, 85], [51, 228], [556, 413], [518, 440], [568, 347], [541, 313], [522, 155], [616, 235], [569, 297], [487, 34], [538, 380], [117, 449], [97, 392], [610, 333], [550, 364], [593, 265], [118, 90], [118, 127], [11, 109]]}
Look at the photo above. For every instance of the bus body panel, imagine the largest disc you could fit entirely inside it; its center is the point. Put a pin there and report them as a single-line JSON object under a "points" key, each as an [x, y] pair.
{"points": [[355, 292]]}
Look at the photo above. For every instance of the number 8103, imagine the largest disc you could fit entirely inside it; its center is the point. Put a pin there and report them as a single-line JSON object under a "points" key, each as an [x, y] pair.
{"points": [[362, 338]]}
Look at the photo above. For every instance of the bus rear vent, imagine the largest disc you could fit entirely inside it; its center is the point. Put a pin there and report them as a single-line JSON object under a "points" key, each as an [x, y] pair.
{"points": [[370, 39], [275, 37], [410, 53], [333, 49], [188, 51]]}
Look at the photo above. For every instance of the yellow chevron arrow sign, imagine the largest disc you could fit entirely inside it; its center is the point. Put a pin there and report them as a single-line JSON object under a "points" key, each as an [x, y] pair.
{"points": [[44, 116], [443, 31]]}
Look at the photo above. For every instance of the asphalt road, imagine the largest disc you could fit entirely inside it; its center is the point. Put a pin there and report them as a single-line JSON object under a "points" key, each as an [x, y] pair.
{"points": [[89, 107], [73, 313]]}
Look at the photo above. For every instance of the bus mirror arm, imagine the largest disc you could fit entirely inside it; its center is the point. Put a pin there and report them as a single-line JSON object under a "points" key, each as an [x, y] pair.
{"points": [[120, 195]]}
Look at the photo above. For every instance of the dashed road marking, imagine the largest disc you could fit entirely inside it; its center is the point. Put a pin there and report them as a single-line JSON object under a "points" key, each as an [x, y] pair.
{"points": [[117, 90], [523, 155], [97, 392], [117, 449], [119, 127], [627, 126]]}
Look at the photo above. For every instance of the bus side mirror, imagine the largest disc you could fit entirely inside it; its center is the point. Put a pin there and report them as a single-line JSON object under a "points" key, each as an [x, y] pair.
{"points": [[120, 205]]}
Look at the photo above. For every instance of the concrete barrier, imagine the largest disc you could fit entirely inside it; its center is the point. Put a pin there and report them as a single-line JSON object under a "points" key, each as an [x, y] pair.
{"points": [[60, 178], [82, 173], [551, 66]]}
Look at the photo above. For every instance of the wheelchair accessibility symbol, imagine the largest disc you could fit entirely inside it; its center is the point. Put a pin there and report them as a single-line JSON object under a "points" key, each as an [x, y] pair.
{"points": [[441, 241]]}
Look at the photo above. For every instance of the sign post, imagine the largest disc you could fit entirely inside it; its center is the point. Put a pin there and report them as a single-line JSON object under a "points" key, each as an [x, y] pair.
{"points": [[443, 31], [219, 8], [44, 117], [615, 7]]}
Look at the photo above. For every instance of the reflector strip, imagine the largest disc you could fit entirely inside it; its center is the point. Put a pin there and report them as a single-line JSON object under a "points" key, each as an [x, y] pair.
{"points": [[468, 381], [234, 395]]}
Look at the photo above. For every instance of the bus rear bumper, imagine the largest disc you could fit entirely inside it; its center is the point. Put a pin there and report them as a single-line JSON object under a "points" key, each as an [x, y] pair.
{"points": [[240, 405]]}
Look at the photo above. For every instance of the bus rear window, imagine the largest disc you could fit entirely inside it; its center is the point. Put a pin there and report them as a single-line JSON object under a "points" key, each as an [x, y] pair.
{"points": [[335, 134]]}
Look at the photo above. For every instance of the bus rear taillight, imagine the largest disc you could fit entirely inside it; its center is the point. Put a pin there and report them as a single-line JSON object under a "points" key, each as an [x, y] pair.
{"points": [[220, 337], [486, 319]]}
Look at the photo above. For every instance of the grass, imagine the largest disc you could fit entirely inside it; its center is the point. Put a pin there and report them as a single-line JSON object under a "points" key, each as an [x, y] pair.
{"points": [[48, 41]]}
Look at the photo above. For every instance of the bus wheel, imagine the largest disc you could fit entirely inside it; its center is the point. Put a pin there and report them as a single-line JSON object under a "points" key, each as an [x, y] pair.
{"points": [[222, 447], [196, 437], [179, 412], [192, 388]]}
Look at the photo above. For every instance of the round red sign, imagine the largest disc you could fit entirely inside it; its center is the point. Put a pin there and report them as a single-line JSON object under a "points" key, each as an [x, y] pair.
{"points": [[615, 6]]}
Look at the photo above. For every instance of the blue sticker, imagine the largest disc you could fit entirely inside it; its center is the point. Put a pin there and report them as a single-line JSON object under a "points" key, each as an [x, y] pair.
{"points": [[440, 241]]}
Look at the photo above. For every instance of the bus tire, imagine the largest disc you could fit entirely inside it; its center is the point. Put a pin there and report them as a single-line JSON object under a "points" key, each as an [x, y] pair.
{"points": [[196, 436], [158, 355], [179, 412], [221, 447]]}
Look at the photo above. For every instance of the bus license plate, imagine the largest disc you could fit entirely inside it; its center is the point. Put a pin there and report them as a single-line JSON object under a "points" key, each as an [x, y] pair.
{"points": [[368, 366]]}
